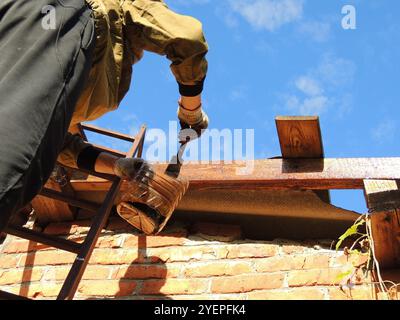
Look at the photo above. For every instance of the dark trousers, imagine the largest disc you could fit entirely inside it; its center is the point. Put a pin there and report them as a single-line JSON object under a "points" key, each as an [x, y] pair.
{"points": [[44, 64]]}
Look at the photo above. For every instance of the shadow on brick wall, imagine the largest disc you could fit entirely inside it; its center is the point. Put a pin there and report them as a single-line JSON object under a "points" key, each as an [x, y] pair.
{"points": [[144, 278]]}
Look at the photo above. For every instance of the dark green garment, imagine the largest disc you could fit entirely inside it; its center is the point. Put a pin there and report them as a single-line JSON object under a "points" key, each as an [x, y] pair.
{"points": [[41, 76]]}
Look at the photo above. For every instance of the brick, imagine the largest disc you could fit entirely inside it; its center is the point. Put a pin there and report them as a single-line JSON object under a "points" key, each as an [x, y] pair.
{"points": [[316, 261], [53, 257], [218, 232], [292, 262], [303, 278], [112, 288], [23, 246], [355, 293], [174, 286], [246, 283], [173, 239], [228, 268], [146, 272], [193, 297], [118, 224], [292, 294], [9, 261], [66, 228], [37, 290], [252, 251], [14, 276], [114, 256], [292, 249], [279, 263], [114, 241], [91, 273], [354, 259], [184, 254], [314, 277]]}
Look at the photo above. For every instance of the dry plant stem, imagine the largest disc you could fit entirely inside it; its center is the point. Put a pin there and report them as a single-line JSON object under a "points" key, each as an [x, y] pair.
{"points": [[372, 248]]}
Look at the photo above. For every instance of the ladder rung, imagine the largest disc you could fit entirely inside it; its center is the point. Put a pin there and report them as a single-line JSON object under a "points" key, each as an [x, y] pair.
{"points": [[83, 204], [109, 133], [43, 238]]}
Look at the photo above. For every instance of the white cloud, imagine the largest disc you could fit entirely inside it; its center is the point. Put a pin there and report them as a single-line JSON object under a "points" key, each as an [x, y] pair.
{"points": [[308, 85], [384, 131], [323, 87], [268, 14], [313, 105], [337, 72]]}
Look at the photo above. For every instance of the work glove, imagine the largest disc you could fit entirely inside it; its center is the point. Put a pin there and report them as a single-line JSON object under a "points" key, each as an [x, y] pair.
{"points": [[132, 169], [149, 198], [196, 120]]}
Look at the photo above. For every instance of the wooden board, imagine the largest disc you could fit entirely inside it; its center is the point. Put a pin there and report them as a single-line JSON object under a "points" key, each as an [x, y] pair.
{"points": [[300, 138], [383, 201], [382, 195], [278, 174]]}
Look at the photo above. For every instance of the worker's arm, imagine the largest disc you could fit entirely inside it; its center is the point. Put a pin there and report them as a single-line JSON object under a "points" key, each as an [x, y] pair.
{"points": [[80, 154], [152, 26]]}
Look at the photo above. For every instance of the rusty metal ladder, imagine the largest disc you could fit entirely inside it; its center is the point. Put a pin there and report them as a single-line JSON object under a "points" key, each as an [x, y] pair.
{"points": [[85, 249]]}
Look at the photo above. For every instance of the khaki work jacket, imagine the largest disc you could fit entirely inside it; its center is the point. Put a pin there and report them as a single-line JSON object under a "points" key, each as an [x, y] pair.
{"points": [[124, 29]]}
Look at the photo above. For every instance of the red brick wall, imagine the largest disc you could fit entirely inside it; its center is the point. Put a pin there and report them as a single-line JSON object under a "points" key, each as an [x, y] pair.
{"points": [[207, 262]]}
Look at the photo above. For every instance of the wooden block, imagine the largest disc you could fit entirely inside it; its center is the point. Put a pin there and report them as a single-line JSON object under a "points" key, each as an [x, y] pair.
{"points": [[383, 200], [382, 195], [300, 138]]}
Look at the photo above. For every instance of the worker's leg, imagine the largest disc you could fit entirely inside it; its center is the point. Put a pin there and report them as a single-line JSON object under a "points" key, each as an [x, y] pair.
{"points": [[44, 63]]}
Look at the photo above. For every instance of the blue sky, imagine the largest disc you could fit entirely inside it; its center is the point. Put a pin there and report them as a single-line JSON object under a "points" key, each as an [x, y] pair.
{"points": [[286, 57]]}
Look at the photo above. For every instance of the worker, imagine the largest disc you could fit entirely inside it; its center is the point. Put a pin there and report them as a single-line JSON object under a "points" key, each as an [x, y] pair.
{"points": [[63, 62]]}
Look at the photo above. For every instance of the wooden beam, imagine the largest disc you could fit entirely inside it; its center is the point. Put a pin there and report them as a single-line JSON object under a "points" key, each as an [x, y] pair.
{"points": [[300, 138], [278, 174], [383, 200]]}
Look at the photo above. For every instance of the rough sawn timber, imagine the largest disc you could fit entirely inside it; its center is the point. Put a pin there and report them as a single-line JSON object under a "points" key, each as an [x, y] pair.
{"points": [[278, 174]]}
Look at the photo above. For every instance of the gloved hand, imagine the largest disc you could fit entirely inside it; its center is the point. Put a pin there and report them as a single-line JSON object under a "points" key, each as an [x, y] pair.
{"points": [[194, 119], [132, 169]]}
